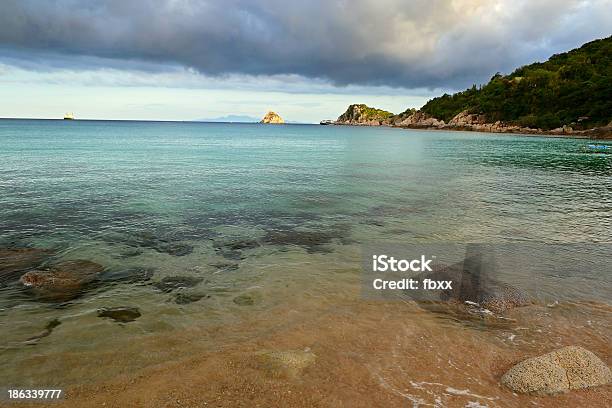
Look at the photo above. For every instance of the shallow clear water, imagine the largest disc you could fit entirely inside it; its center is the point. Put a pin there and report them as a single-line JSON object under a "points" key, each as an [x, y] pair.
{"points": [[276, 212]]}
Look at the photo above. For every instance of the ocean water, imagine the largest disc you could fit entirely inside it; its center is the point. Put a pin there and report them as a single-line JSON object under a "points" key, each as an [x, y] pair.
{"points": [[252, 219]]}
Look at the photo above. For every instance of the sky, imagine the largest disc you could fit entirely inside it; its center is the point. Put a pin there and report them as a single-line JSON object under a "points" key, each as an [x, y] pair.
{"points": [[306, 60]]}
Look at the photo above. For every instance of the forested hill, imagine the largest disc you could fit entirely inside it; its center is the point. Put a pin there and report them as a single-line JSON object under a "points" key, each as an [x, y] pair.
{"points": [[573, 88]]}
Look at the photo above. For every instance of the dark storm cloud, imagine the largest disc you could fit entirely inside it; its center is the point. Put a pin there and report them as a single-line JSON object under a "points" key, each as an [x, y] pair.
{"points": [[421, 43]]}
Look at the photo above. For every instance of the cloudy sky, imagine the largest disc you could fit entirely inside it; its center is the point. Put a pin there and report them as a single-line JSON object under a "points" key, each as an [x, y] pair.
{"points": [[307, 60]]}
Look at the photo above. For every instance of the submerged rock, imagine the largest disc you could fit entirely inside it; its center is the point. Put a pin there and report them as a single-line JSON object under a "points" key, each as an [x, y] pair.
{"points": [[174, 248], [233, 249], [63, 281], [183, 298], [166, 245], [15, 260], [246, 299], [568, 368], [120, 314], [129, 253], [46, 332], [474, 285], [312, 241], [171, 283], [239, 245], [128, 275]]}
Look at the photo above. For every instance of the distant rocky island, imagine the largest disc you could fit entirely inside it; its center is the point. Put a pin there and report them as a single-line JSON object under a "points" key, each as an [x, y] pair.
{"points": [[272, 118], [570, 94]]}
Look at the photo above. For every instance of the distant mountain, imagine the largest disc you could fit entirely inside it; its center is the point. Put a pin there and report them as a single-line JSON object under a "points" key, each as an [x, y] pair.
{"points": [[232, 119]]}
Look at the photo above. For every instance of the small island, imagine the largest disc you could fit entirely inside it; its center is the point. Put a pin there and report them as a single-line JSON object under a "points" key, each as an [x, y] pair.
{"points": [[272, 118]]}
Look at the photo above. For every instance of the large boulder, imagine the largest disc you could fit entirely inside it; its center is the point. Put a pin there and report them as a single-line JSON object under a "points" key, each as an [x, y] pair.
{"points": [[63, 281], [568, 368]]}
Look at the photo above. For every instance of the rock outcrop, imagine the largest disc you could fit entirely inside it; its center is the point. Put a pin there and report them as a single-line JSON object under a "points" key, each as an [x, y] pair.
{"points": [[63, 281], [272, 118], [568, 368], [170, 283], [419, 119], [363, 115]]}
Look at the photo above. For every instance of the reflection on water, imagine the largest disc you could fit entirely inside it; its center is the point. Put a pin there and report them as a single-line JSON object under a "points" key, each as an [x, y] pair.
{"points": [[217, 233]]}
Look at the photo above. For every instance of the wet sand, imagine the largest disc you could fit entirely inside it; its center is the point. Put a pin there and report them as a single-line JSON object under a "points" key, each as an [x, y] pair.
{"points": [[356, 354]]}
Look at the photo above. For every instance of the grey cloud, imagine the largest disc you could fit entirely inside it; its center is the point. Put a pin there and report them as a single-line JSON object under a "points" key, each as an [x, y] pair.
{"points": [[411, 44]]}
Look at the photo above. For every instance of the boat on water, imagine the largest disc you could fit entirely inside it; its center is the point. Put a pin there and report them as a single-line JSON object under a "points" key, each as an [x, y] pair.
{"points": [[327, 122], [598, 148], [69, 116]]}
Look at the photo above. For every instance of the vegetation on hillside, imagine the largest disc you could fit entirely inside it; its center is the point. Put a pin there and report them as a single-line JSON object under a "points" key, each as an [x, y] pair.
{"points": [[374, 113], [362, 112], [573, 88]]}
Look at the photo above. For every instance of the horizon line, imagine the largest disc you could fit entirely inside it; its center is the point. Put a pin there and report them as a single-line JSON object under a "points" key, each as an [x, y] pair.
{"points": [[152, 120]]}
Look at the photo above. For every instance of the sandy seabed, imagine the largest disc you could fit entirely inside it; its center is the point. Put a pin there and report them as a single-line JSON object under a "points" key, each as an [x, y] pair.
{"points": [[356, 354]]}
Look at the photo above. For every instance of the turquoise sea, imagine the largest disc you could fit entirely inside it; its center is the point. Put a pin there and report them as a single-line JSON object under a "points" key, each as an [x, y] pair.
{"points": [[210, 225]]}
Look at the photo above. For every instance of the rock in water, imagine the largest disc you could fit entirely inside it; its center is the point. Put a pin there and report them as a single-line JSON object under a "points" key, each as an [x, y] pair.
{"points": [[63, 281], [132, 275], [476, 284], [175, 249], [272, 117], [183, 298], [46, 332], [568, 368], [166, 245], [473, 284], [170, 283], [120, 314], [244, 300], [14, 260]]}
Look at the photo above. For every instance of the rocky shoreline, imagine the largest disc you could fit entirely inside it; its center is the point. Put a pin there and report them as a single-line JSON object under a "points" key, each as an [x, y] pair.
{"points": [[356, 115]]}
